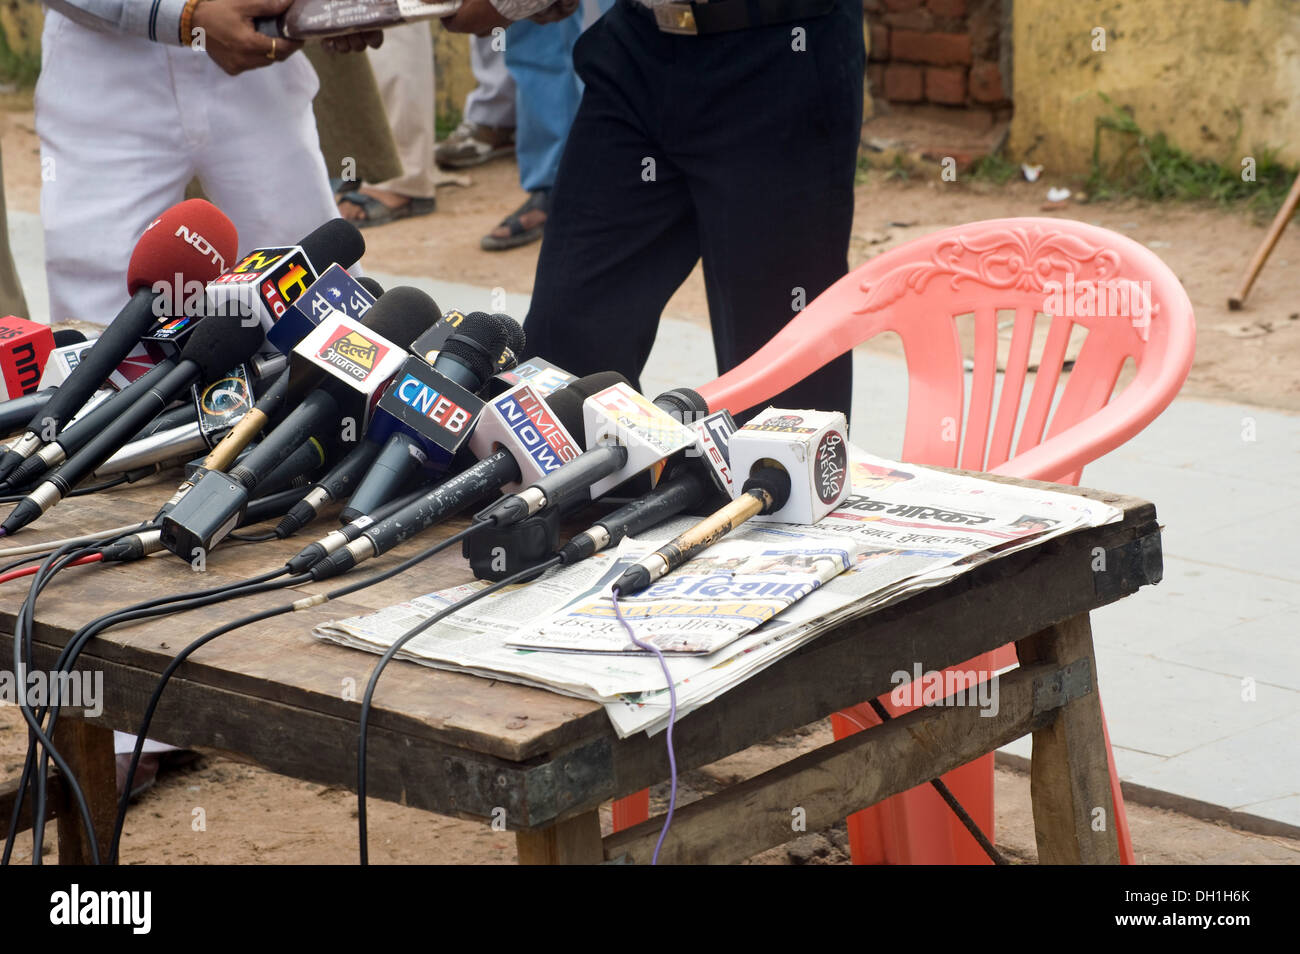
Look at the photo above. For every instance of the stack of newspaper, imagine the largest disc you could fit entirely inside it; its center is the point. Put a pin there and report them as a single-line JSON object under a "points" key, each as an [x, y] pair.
{"points": [[763, 592]]}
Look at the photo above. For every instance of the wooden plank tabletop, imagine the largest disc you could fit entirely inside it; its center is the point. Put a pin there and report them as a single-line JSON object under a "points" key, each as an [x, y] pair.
{"points": [[272, 694]]}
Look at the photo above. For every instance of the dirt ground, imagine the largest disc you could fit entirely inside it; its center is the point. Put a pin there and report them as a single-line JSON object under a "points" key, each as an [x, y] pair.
{"points": [[256, 816]]}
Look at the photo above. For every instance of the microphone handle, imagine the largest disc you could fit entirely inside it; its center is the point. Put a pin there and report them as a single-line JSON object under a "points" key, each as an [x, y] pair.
{"points": [[13, 413], [181, 416], [667, 500], [399, 460], [316, 411], [449, 497], [98, 363], [80, 432], [579, 474], [306, 459], [118, 432]]}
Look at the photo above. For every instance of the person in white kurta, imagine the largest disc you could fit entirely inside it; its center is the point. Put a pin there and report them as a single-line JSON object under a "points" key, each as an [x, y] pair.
{"points": [[127, 116]]}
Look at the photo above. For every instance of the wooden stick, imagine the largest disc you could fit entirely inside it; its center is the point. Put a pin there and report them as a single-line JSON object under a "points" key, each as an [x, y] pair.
{"points": [[1266, 247]]}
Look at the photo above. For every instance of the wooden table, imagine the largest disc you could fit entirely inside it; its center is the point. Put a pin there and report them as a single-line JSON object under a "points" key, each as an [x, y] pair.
{"points": [[272, 695]]}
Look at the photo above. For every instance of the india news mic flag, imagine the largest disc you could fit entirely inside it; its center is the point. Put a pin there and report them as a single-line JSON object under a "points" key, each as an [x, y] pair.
{"points": [[25, 346], [313, 19]]}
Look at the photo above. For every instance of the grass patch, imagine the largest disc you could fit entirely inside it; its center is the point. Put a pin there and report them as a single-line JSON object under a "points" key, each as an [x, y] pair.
{"points": [[995, 168], [445, 123], [1150, 167], [16, 67]]}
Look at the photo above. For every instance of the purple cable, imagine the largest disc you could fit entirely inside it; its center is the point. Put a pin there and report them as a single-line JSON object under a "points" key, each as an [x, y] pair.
{"points": [[672, 717]]}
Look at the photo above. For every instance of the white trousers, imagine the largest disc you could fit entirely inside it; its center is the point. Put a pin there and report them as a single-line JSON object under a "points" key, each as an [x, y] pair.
{"points": [[124, 125], [403, 68], [492, 101]]}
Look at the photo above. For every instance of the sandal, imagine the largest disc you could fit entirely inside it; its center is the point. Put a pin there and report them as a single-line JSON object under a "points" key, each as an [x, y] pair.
{"points": [[377, 213], [539, 201]]}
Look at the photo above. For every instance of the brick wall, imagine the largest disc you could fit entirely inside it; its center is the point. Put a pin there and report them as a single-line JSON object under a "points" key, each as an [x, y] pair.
{"points": [[947, 52]]}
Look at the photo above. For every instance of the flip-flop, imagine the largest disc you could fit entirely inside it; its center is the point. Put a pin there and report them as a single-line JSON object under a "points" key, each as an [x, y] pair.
{"points": [[379, 214], [538, 200]]}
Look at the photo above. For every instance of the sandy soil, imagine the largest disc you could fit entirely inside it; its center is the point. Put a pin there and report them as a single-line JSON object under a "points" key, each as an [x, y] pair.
{"points": [[255, 816]]}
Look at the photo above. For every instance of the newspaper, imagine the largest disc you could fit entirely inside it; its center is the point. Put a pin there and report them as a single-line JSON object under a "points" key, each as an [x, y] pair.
{"points": [[903, 528], [730, 589]]}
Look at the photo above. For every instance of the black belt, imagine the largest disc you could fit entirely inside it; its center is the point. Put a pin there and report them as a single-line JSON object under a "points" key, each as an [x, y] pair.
{"points": [[723, 16]]}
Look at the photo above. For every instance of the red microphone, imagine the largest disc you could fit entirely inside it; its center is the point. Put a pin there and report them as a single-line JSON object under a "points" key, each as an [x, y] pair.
{"points": [[189, 243]]}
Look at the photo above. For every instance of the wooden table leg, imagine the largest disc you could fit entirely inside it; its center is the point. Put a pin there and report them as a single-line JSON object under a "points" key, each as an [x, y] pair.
{"points": [[88, 750], [574, 841], [1074, 816]]}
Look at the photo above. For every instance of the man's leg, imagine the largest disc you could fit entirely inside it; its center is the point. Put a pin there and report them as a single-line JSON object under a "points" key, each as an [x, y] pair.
{"points": [[621, 238], [112, 159], [12, 301], [257, 148], [773, 183], [492, 101], [540, 58], [403, 69]]}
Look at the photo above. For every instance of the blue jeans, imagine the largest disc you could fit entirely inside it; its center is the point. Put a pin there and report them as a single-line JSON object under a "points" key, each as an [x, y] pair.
{"points": [[547, 93]]}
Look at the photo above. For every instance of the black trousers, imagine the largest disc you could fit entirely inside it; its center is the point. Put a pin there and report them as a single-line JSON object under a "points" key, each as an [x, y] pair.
{"points": [[739, 148]]}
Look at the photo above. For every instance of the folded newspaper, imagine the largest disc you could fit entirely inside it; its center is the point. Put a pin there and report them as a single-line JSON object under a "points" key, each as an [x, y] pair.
{"points": [[737, 608]]}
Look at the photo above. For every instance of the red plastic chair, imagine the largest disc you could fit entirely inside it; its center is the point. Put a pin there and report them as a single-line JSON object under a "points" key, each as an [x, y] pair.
{"points": [[1132, 307]]}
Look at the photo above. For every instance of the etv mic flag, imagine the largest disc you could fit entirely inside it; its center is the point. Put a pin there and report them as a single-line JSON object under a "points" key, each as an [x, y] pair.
{"points": [[24, 348]]}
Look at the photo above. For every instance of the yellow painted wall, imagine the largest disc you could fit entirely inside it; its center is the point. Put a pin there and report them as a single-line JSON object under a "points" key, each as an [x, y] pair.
{"points": [[1202, 71]]}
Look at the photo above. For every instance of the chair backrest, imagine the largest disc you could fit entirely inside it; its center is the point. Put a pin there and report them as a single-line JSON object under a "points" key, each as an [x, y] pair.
{"points": [[1069, 273]]}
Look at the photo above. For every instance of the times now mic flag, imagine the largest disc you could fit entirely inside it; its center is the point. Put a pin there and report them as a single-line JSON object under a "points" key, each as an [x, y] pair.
{"points": [[262, 285], [24, 348], [520, 422]]}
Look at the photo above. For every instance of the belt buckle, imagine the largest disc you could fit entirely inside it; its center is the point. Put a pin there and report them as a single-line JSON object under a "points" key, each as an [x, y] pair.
{"points": [[675, 18]]}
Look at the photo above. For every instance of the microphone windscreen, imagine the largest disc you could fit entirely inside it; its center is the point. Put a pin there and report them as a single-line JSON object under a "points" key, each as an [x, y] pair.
{"points": [[595, 383], [193, 239], [516, 341], [68, 336], [477, 342], [337, 242], [566, 406], [402, 315], [370, 285], [218, 344]]}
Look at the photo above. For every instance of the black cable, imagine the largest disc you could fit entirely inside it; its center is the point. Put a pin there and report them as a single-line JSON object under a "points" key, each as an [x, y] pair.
{"points": [[36, 736], [957, 808], [207, 637], [384, 660], [262, 537], [155, 607]]}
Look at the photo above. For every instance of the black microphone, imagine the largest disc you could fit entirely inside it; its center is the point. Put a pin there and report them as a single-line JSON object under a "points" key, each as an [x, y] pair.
{"points": [[428, 406], [215, 346], [529, 436], [364, 355], [191, 240], [68, 336]]}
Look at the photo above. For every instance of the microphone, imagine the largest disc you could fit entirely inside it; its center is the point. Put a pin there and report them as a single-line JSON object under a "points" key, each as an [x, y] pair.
{"points": [[342, 364], [796, 464], [523, 434], [388, 322], [626, 434], [190, 241], [266, 281], [428, 411], [215, 346], [705, 472]]}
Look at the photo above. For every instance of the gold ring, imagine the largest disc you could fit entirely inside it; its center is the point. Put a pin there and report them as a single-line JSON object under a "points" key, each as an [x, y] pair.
{"points": [[271, 55]]}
